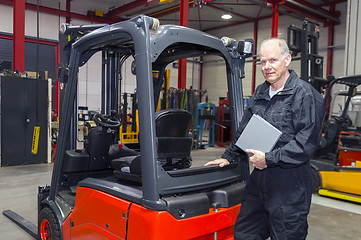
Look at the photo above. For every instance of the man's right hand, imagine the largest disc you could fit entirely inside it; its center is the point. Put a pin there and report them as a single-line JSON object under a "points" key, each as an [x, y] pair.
{"points": [[220, 162]]}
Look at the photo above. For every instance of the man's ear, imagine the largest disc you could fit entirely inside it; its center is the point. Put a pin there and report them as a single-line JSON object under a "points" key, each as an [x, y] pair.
{"points": [[288, 59]]}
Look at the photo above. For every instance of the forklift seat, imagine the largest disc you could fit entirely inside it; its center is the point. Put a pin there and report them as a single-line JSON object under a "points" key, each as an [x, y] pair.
{"points": [[173, 145], [351, 141]]}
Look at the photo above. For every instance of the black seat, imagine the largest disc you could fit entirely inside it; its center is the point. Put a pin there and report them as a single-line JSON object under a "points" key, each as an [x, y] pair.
{"points": [[173, 144], [351, 141], [172, 123]]}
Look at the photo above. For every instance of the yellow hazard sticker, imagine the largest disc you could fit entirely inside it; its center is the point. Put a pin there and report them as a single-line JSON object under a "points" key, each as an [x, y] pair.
{"points": [[35, 144]]}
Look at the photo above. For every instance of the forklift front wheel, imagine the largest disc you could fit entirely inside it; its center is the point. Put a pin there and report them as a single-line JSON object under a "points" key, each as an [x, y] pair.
{"points": [[48, 227]]}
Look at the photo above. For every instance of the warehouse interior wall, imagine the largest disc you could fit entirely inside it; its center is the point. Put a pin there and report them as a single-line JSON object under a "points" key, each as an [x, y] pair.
{"points": [[213, 71], [244, 31]]}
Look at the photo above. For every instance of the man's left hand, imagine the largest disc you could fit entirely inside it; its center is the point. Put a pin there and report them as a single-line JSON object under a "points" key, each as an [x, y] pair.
{"points": [[258, 159]]}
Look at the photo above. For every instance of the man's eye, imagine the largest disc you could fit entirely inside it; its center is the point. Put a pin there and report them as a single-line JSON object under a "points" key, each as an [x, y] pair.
{"points": [[273, 60]]}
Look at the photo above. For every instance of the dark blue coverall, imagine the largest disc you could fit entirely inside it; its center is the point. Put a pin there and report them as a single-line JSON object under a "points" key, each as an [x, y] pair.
{"points": [[277, 200]]}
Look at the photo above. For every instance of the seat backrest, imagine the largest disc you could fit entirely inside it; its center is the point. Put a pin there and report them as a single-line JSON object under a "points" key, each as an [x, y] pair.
{"points": [[97, 146], [172, 123], [174, 145]]}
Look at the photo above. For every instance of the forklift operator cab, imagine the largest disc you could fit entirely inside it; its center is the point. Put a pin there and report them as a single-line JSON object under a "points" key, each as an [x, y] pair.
{"points": [[154, 193]]}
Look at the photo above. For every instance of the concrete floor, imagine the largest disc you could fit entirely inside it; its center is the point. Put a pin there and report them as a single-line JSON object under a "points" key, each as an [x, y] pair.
{"points": [[329, 219]]}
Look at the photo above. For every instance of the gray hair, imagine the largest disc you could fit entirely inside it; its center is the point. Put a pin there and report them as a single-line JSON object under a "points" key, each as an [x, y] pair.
{"points": [[281, 44]]}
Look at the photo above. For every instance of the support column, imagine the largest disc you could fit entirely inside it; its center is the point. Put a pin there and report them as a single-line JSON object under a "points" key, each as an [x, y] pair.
{"points": [[275, 16], [56, 82], [67, 8], [19, 35], [331, 30], [182, 64], [200, 78], [255, 37]]}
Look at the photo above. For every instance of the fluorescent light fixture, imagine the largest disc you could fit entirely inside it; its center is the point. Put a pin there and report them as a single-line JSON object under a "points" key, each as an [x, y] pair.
{"points": [[226, 16]]}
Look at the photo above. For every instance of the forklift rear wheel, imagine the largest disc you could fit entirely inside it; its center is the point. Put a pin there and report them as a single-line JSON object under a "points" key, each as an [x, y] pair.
{"points": [[48, 227], [316, 180]]}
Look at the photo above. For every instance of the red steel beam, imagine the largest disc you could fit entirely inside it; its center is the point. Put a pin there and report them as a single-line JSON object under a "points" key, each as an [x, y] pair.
{"points": [[182, 65], [19, 35], [67, 9], [275, 16], [131, 7], [29, 39]]}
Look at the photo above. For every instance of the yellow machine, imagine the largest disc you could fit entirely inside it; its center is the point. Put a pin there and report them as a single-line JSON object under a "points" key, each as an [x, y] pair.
{"points": [[129, 136], [343, 184]]}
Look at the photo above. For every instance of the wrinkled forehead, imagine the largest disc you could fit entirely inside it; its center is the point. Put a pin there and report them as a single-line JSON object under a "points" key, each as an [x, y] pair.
{"points": [[270, 49]]}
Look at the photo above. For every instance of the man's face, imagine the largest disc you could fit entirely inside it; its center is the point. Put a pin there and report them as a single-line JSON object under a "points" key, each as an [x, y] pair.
{"points": [[274, 66]]}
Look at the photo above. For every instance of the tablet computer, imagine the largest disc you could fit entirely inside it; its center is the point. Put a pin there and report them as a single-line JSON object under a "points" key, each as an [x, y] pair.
{"points": [[258, 135]]}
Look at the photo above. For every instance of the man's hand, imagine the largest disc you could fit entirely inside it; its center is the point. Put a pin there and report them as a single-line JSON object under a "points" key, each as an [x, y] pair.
{"points": [[220, 162], [258, 159]]}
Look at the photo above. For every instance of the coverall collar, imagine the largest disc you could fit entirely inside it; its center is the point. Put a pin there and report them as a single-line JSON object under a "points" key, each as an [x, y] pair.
{"points": [[288, 88]]}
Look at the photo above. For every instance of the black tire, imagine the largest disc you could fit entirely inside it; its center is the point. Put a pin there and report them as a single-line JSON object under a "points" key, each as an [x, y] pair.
{"points": [[188, 162], [48, 228], [316, 180]]}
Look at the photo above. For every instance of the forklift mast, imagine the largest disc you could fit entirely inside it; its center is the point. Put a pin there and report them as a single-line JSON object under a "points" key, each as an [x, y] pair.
{"points": [[305, 41]]}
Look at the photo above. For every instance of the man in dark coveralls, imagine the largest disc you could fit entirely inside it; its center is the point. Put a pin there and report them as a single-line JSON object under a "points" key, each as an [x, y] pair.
{"points": [[277, 196]]}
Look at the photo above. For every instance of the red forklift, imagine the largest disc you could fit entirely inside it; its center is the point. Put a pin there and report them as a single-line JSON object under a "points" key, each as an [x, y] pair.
{"points": [[108, 190]]}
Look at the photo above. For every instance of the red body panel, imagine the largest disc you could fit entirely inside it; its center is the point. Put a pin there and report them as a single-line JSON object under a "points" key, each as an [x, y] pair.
{"points": [[347, 156], [148, 224], [98, 215]]}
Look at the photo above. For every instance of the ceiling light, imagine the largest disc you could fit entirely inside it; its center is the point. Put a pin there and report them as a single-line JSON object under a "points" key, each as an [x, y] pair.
{"points": [[226, 16]]}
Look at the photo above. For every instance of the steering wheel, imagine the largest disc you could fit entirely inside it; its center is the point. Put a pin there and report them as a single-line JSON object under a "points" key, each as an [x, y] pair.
{"points": [[106, 121], [344, 122], [338, 119]]}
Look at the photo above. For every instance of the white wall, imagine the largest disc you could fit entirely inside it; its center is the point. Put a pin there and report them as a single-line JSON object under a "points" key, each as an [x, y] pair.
{"points": [[353, 58], [214, 78], [89, 87], [6, 19]]}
